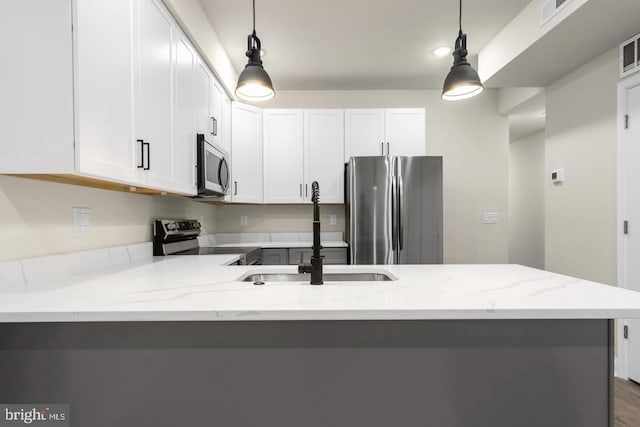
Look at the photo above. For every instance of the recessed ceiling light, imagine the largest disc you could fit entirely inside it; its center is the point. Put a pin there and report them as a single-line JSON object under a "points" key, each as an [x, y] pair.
{"points": [[441, 51]]}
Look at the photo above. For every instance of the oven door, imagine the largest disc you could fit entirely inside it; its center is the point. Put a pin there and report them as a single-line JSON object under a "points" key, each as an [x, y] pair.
{"points": [[213, 169]]}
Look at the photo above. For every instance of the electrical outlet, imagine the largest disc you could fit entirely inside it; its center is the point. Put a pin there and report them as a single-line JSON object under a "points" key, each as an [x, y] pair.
{"points": [[243, 220], [81, 220], [490, 218], [333, 219]]}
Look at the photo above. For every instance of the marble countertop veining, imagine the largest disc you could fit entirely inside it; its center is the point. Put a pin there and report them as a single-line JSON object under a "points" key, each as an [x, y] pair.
{"points": [[192, 288]]}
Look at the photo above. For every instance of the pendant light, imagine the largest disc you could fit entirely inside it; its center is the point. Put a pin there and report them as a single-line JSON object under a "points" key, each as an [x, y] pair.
{"points": [[462, 81], [254, 84]]}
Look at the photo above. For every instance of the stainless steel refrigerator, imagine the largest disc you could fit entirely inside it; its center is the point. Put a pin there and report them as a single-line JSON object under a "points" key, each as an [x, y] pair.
{"points": [[394, 210]]}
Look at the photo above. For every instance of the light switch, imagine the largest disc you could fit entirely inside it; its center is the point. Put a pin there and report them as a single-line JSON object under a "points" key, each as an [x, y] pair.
{"points": [[333, 219], [81, 220], [243, 220], [490, 218]]}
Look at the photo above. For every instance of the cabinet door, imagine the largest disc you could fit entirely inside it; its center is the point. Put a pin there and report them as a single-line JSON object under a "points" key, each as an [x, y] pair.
{"points": [[184, 139], [274, 256], [203, 80], [225, 127], [153, 92], [324, 154], [246, 154], [283, 156], [36, 99], [104, 90], [217, 94], [405, 131], [364, 133]]}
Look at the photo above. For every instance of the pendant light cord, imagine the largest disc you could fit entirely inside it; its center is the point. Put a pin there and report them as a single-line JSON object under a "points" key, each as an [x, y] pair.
{"points": [[459, 16], [254, 16]]}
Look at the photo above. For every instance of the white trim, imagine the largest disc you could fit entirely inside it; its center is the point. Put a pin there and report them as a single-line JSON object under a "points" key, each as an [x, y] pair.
{"points": [[623, 87]]}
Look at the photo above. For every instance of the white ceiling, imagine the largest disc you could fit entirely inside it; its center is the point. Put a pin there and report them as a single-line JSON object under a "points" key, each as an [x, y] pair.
{"points": [[356, 44]]}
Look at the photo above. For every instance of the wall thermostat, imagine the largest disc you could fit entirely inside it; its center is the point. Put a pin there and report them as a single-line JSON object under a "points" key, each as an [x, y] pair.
{"points": [[557, 176]]}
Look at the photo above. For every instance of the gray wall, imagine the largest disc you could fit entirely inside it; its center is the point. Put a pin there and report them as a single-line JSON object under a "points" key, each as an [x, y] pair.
{"points": [[527, 180]]}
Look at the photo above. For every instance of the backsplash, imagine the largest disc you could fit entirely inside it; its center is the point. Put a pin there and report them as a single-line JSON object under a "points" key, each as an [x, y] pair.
{"points": [[37, 217], [276, 218]]}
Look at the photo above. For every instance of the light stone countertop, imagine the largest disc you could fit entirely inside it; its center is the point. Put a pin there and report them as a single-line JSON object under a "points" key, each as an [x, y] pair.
{"points": [[290, 244], [192, 288]]}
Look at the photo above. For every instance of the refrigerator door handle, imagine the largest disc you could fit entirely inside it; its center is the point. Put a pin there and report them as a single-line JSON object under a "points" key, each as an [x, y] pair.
{"points": [[394, 215], [400, 207]]}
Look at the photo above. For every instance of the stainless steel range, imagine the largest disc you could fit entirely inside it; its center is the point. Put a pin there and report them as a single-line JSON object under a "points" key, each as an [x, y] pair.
{"points": [[180, 237]]}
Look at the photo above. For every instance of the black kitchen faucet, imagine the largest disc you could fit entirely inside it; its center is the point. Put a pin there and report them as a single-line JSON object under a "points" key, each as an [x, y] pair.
{"points": [[315, 268]]}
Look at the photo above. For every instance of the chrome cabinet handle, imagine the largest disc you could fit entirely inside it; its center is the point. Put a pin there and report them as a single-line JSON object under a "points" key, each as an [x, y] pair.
{"points": [[141, 141], [235, 188], [300, 190], [214, 126], [382, 148], [306, 190], [388, 153]]}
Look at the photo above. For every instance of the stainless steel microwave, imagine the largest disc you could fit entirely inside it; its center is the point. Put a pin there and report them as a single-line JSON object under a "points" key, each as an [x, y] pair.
{"points": [[212, 169]]}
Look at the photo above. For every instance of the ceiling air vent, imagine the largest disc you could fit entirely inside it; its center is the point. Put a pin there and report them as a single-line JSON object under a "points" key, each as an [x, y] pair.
{"points": [[630, 56], [550, 8]]}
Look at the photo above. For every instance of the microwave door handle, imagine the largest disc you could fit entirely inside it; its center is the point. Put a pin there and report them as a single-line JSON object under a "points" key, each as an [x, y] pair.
{"points": [[224, 181]]}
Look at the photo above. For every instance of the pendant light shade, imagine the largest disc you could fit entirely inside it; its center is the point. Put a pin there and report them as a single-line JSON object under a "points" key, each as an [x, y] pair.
{"points": [[254, 84], [462, 81]]}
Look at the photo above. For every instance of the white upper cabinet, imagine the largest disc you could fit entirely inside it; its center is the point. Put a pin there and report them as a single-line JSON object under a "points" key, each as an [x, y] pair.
{"points": [[104, 90], [226, 124], [378, 132], [246, 154], [302, 146], [184, 138], [283, 154], [364, 133], [405, 131], [203, 81], [119, 90], [324, 154], [153, 93], [217, 96], [36, 103], [213, 108]]}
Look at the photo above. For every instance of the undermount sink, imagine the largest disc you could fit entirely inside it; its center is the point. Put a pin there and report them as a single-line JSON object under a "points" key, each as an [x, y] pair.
{"points": [[327, 277]]}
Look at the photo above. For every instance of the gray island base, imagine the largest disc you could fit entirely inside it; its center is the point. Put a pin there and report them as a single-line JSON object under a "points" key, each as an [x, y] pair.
{"points": [[405, 373]]}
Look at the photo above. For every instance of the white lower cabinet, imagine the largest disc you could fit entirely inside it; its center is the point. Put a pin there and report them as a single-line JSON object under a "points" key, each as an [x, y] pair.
{"points": [[302, 146], [246, 154]]}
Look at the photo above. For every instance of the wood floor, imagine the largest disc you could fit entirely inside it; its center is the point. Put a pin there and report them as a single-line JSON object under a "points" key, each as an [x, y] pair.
{"points": [[627, 404]]}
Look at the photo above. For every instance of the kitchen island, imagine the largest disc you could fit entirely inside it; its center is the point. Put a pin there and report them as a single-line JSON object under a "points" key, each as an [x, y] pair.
{"points": [[184, 342]]}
